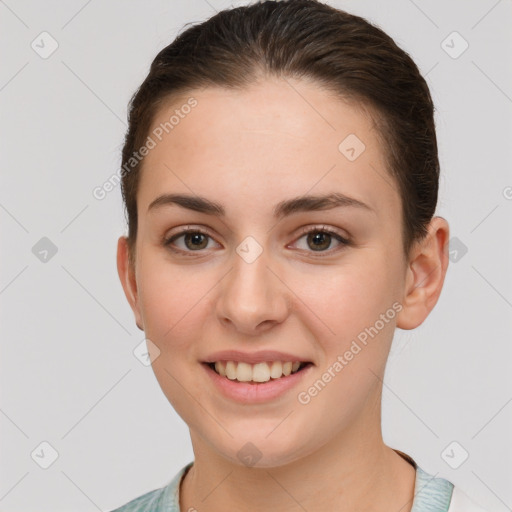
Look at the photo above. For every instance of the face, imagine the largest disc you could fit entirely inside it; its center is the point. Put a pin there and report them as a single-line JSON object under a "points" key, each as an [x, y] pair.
{"points": [[267, 274]]}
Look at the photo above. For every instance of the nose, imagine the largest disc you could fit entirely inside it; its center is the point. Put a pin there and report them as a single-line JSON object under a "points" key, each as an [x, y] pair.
{"points": [[253, 297]]}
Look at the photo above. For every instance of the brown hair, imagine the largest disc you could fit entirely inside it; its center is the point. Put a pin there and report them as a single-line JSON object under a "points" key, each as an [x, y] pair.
{"points": [[341, 52]]}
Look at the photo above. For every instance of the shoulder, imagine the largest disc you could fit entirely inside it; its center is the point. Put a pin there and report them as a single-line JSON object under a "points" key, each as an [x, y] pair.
{"points": [[461, 502], [145, 503]]}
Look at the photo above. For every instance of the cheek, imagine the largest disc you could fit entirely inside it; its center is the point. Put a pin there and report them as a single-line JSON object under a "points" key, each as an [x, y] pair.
{"points": [[347, 298], [172, 301], [355, 306], [353, 335]]}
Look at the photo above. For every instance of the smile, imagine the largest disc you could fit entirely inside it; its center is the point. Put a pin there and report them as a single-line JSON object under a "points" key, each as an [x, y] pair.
{"points": [[256, 373]]}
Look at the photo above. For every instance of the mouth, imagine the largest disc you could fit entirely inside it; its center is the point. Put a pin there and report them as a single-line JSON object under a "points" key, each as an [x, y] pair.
{"points": [[258, 373]]}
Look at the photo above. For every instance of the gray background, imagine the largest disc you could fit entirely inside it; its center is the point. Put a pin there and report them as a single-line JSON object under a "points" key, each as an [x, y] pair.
{"points": [[68, 373]]}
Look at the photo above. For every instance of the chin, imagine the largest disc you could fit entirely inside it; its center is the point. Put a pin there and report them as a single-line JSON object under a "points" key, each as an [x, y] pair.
{"points": [[259, 451]]}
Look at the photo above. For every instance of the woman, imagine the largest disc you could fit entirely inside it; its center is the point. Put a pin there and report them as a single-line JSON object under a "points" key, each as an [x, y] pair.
{"points": [[280, 178]]}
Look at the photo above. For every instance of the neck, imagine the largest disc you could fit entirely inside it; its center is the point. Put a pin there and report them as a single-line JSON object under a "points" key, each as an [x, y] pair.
{"points": [[352, 472]]}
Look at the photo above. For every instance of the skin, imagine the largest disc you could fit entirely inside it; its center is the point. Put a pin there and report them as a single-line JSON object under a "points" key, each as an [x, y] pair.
{"points": [[249, 150]]}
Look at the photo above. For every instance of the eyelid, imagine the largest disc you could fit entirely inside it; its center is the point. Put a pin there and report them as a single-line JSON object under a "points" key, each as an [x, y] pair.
{"points": [[190, 228], [323, 228]]}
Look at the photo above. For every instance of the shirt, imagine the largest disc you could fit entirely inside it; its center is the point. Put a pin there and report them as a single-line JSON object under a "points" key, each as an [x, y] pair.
{"points": [[431, 494]]}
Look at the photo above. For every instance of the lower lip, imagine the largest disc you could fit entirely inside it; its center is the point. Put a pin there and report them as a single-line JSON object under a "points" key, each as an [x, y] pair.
{"points": [[245, 392]]}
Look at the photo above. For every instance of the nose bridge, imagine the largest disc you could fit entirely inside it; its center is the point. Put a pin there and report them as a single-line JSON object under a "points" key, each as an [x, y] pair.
{"points": [[251, 294]]}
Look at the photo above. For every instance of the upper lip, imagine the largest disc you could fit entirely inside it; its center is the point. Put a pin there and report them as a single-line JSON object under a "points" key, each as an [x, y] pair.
{"points": [[253, 357]]}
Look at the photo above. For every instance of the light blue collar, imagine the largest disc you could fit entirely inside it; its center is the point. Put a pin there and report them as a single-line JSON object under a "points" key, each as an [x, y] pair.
{"points": [[431, 494]]}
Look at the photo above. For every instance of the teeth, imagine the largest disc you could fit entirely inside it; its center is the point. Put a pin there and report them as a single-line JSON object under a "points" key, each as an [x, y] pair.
{"points": [[244, 372], [231, 370], [259, 372], [276, 370], [220, 368]]}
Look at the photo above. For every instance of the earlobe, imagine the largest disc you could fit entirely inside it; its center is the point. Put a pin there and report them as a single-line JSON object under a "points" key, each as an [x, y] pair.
{"points": [[426, 271], [127, 277]]}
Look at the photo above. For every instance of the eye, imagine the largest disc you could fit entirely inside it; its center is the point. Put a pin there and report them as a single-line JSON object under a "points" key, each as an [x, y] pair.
{"points": [[320, 238], [194, 240]]}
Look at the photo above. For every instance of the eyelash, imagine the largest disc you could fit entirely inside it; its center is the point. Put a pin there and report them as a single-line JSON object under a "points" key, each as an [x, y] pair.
{"points": [[305, 231]]}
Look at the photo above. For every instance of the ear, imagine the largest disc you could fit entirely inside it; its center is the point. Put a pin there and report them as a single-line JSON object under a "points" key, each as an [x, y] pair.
{"points": [[127, 276], [425, 273]]}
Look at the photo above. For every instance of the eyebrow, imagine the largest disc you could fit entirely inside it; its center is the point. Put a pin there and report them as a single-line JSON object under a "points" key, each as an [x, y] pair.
{"points": [[306, 203]]}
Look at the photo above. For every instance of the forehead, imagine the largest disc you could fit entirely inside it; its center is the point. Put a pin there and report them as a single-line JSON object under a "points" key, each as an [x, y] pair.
{"points": [[275, 139]]}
